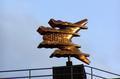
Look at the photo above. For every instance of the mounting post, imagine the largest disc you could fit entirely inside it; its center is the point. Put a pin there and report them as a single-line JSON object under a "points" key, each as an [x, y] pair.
{"points": [[69, 62]]}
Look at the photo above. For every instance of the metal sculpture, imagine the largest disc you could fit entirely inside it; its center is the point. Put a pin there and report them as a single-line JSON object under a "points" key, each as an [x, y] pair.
{"points": [[59, 36]]}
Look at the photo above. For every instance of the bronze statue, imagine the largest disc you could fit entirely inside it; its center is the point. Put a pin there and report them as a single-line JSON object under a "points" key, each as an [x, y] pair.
{"points": [[59, 36]]}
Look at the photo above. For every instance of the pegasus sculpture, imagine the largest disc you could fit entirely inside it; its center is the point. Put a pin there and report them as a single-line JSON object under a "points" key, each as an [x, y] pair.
{"points": [[60, 35]]}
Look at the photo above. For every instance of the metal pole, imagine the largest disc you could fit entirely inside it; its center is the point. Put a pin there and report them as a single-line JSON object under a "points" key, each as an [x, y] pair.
{"points": [[68, 58], [69, 62], [29, 74], [91, 73]]}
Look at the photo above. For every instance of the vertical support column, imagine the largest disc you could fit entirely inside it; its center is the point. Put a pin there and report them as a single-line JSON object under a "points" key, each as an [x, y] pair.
{"points": [[29, 74], [69, 62], [91, 73]]}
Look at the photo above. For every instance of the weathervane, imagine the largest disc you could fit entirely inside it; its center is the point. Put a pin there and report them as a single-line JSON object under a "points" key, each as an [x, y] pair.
{"points": [[60, 35]]}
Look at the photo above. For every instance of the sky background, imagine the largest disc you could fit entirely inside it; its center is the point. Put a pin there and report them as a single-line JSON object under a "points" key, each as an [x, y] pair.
{"points": [[19, 20]]}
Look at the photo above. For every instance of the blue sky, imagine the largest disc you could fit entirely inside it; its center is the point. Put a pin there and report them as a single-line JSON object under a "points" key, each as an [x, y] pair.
{"points": [[19, 20]]}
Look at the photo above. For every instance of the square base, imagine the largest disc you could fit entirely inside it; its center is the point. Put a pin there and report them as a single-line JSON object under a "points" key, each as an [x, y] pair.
{"points": [[69, 72]]}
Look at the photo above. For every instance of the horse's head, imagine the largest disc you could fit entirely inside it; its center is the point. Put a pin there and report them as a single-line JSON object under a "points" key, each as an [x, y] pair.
{"points": [[75, 27]]}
